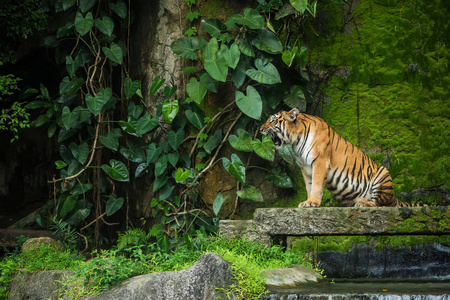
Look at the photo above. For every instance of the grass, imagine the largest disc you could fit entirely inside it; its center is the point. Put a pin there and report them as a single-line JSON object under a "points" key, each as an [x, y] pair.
{"points": [[111, 267]]}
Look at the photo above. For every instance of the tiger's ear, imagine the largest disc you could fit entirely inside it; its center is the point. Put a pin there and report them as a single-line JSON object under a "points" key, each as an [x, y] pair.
{"points": [[292, 114]]}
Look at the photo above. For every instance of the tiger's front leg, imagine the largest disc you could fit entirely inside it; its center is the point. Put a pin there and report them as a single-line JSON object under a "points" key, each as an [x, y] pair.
{"points": [[316, 183]]}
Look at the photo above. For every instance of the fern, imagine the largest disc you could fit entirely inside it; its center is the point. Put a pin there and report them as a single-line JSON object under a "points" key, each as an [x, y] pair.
{"points": [[68, 235]]}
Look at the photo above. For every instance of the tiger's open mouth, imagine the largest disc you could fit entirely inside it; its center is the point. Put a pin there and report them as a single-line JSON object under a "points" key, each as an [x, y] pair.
{"points": [[276, 140]]}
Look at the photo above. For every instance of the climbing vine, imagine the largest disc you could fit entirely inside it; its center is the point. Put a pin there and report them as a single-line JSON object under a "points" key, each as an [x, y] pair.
{"points": [[109, 137]]}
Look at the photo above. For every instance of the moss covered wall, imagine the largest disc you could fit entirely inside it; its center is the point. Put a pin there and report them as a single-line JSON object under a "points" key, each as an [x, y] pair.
{"points": [[389, 93]]}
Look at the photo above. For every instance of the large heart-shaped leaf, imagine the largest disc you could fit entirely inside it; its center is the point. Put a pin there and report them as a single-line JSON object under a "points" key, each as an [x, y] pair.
{"points": [[133, 153], [175, 139], [197, 90], [299, 5], [130, 126], [80, 152], [120, 8], [166, 191], [113, 204], [170, 110], [280, 179], [231, 55], [160, 167], [214, 27], [266, 73], [105, 25], [246, 47], [213, 141], [156, 85], [83, 24], [95, 104], [181, 175], [251, 18], [264, 148], [69, 204], [218, 203], [267, 41], [296, 98], [235, 167], [72, 65], [114, 53], [159, 182], [69, 87], [117, 170], [250, 104], [69, 118], [289, 55], [250, 192], [130, 87], [111, 139], [241, 142], [153, 153], [173, 158], [186, 47], [195, 119], [215, 63], [238, 75], [86, 5], [146, 124]]}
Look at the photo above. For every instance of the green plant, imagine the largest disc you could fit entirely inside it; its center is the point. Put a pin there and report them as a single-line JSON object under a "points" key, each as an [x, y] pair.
{"points": [[8, 267]]}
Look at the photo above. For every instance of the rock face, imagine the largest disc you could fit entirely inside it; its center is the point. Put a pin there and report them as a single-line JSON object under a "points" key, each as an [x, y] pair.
{"points": [[290, 277], [38, 286], [204, 280], [37, 242]]}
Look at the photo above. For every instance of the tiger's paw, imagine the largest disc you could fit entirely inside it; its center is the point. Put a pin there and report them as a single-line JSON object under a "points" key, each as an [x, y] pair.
{"points": [[365, 204], [309, 203]]}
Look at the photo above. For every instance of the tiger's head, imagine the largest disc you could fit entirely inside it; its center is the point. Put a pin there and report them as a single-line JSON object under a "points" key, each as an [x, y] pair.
{"points": [[277, 125]]}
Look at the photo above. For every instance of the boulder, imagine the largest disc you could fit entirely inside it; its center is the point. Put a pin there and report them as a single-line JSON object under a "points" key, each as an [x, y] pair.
{"points": [[206, 279], [290, 277], [41, 285], [37, 242]]}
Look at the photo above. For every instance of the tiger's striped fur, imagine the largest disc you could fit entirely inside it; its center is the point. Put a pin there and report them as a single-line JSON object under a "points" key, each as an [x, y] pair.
{"points": [[328, 160]]}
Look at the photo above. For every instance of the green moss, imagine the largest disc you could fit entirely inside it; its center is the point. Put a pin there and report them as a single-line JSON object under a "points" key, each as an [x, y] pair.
{"points": [[394, 102]]}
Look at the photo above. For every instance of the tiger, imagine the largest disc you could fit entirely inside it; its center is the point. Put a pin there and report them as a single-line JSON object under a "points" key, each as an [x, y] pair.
{"points": [[328, 160]]}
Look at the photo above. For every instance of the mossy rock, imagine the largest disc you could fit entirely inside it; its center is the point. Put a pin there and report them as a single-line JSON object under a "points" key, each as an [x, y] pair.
{"points": [[34, 243]]}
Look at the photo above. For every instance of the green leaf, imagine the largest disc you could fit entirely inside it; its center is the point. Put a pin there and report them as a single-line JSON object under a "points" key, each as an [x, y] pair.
{"points": [[173, 158], [213, 141], [72, 65], [251, 18], [268, 42], [296, 98], [191, 16], [289, 55], [241, 142], [197, 90], [218, 203], [195, 119], [69, 118], [113, 204], [170, 110], [156, 85], [175, 139], [162, 241], [166, 191], [159, 182], [83, 24], [214, 61], [114, 53], [169, 91], [79, 216], [133, 153], [235, 167], [66, 4], [95, 104], [37, 104], [80, 152], [120, 9], [130, 87], [68, 205], [146, 124], [214, 27], [266, 73], [251, 105], [264, 148], [186, 47], [246, 47], [280, 179], [299, 5], [86, 5], [129, 127], [153, 153], [69, 87], [111, 139], [117, 171], [140, 169], [105, 25], [231, 55], [250, 192], [181, 175], [60, 164], [64, 134], [160, 168], [238, 75]]}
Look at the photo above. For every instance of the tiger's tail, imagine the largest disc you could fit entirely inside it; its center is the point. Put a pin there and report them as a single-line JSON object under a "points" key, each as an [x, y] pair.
{"points": [[407, 204]]}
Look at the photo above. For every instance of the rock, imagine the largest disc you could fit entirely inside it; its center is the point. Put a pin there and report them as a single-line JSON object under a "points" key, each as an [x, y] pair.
{"points": [[247, 229], [37, 242], [204, 280], [290, 277], [41, 285]]}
